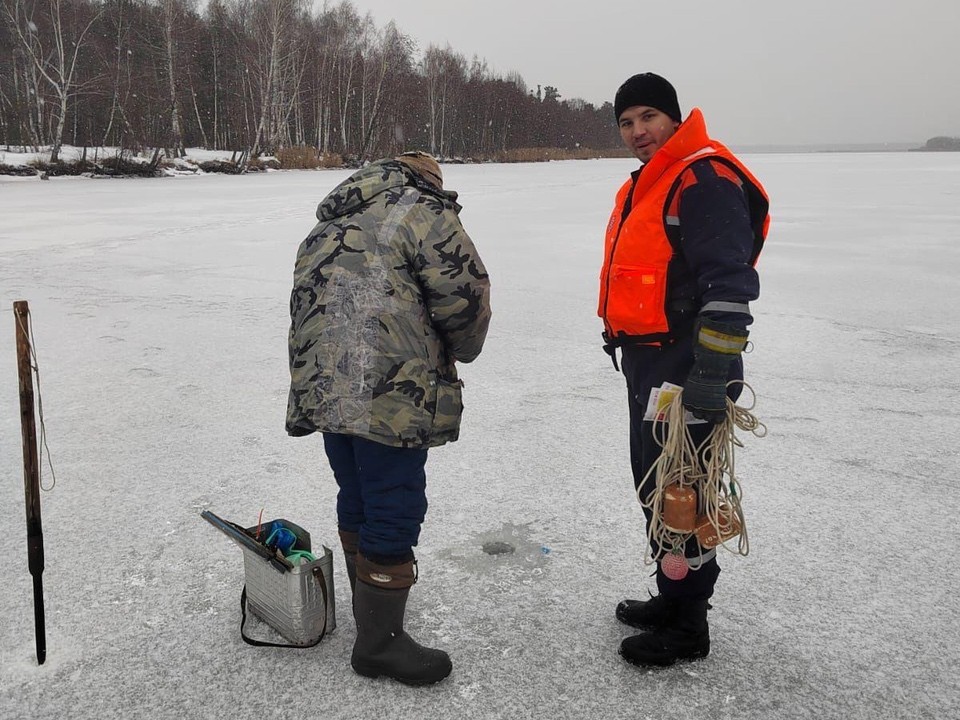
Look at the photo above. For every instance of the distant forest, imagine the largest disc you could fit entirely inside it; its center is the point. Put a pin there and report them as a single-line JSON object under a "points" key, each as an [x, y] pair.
{"points": [[942, 144], [260, 76]]}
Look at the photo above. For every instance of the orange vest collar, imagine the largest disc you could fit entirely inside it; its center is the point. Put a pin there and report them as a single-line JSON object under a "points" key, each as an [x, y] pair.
{"points": [[690, 138], [689, 141]]}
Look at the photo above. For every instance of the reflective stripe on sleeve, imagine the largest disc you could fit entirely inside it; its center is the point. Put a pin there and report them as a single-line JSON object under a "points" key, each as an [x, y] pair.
{"points": [[720, 306], [721, 342]]}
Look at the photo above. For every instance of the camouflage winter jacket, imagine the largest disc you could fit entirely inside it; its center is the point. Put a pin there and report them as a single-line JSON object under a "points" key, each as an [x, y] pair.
{"points": [[388, 291]]}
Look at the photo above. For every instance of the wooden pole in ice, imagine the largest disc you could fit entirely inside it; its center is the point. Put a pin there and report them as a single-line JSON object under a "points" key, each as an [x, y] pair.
{"points": [[31, 472]]}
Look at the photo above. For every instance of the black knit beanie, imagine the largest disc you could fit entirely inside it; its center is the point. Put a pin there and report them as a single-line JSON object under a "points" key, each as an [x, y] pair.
{"points": [[647, 89]]}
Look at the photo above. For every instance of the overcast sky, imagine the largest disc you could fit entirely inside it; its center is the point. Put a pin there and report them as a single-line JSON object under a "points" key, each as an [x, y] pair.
{"points": [[763, 71]]}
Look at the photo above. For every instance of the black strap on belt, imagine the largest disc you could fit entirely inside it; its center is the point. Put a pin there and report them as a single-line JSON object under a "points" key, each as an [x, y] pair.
{"points": [[610, 348], [610, 344]]}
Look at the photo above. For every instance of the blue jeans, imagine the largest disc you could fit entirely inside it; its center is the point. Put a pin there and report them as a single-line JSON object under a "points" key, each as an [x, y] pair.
{"points": [[383, 495]]}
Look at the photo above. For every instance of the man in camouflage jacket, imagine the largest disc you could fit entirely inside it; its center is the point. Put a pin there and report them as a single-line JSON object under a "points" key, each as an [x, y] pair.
{"points": [[389, 292]]}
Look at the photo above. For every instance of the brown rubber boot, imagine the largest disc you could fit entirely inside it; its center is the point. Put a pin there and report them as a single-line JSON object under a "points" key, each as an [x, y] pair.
{"points": [[382, 646], [349, 541]]}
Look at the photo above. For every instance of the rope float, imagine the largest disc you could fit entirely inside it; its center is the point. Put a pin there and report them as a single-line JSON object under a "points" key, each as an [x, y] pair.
{"points": [[697, 493]]}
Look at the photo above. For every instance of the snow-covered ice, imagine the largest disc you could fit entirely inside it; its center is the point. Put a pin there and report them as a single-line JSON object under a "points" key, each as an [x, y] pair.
{"points": [[160, 320]]}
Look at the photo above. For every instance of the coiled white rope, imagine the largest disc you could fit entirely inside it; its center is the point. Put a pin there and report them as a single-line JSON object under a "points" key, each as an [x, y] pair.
{"points": [[708, 468]]}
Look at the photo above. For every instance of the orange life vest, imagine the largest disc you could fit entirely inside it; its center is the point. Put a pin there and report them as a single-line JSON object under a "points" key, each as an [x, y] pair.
{"points": [[633, 281]]}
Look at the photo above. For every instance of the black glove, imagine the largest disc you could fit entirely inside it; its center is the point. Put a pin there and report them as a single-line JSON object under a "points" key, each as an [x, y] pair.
{"points": [[716, 346]]}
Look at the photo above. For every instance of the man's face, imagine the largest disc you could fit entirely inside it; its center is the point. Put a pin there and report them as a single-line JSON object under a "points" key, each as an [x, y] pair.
{"points": [[644, 130]]}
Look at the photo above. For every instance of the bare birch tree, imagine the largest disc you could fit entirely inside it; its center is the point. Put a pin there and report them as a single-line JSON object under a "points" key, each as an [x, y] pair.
{"points": [[347, 56], [444, 74], [387, 57], [275, 67], [171, 15], [54, 58], [119, 24]]}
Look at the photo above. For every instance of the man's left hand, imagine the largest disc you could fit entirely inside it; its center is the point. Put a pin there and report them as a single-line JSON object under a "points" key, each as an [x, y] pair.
{"points": [[705, 397], [716, 347]]}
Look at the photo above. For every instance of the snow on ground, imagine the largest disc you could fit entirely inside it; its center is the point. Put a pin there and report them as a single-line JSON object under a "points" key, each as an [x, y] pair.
{"points": [[21, 156], [189, 164], [160, 319]]}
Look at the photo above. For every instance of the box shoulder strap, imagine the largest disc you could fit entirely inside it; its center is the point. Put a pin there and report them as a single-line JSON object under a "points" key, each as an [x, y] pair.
{"points": [[318, 576]]}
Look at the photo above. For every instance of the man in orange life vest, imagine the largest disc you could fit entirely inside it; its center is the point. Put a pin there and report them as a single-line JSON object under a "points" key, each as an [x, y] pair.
{"points": [[677, 279]]}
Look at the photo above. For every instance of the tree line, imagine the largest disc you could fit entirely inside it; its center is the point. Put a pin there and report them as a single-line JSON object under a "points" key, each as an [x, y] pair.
{"points": [[260, 76], [942, 144]]}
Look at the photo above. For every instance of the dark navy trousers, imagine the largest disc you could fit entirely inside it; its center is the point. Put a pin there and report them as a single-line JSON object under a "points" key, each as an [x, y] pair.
{"points": [[646, 367], [383, 495]]}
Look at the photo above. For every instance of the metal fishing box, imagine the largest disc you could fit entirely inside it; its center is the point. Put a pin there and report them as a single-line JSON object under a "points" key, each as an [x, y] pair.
{"points": [[296, 598]]}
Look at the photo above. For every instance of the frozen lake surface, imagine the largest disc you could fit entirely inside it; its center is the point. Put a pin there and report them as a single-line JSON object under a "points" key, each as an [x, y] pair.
{"points": [[160, 320]]}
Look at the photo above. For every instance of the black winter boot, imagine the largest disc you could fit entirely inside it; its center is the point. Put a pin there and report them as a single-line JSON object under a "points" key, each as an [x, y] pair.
{"points": [[382, 646], [647, 614], [687, 637]]}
